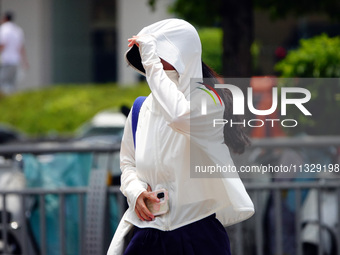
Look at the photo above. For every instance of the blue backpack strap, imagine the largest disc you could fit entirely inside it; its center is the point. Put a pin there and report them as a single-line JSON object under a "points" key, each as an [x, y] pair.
{"points": [[135, 114]]}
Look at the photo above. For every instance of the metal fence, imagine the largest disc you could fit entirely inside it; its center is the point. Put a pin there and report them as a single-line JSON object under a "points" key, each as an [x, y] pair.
{"points": [[251, 237], [91, 230], [267, 232], [295, 215]]}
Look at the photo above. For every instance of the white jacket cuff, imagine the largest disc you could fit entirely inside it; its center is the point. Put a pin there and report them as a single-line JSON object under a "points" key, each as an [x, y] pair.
{"points": [[135, 188]]}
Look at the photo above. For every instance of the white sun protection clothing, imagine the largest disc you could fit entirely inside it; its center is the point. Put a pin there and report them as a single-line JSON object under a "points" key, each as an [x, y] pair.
{"points": [[171, 135]]}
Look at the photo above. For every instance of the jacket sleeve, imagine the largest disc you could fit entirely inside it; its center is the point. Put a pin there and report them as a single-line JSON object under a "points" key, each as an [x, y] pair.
{"points": [[131, 185], [175, 106]]}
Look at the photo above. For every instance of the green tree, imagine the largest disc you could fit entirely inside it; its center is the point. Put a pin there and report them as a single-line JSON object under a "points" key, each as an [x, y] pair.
{"points": [[317, 57], [236, 21]]}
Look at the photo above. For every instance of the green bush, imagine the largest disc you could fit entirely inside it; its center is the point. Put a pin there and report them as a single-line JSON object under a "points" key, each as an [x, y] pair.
{"points": [[63, 108], [211, 39], [317, 57]]}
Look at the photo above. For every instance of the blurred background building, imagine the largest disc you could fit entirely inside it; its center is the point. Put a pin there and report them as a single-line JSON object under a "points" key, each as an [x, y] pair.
{"points": [[80, 41]]}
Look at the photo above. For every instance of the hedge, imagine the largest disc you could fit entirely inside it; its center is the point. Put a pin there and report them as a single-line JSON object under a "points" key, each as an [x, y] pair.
{"points": [[63, 108]]}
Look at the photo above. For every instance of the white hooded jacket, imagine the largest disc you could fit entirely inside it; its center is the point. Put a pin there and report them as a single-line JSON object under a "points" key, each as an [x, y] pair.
{"points": [[172, 134]]}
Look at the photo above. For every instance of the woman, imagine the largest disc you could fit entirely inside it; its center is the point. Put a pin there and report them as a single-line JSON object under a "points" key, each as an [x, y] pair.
{"points": [[173, 136]]}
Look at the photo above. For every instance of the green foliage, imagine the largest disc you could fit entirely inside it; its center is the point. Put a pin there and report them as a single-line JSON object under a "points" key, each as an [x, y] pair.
{"points": [[198, 12], [317, 57], [255, 50], [208, 13], [211, 39], [281, 8], [64, 108], [152, 4]]}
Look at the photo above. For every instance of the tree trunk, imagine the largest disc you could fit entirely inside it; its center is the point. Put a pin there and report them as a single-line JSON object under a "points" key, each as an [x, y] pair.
{"points": [[237, 25]]}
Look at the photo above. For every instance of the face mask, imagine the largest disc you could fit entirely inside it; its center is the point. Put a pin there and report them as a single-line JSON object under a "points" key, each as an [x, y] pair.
{"points": [[173, 75]]}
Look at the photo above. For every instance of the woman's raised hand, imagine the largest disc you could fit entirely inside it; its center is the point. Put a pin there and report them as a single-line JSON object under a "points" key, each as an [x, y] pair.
{"points": [[133, 41]]}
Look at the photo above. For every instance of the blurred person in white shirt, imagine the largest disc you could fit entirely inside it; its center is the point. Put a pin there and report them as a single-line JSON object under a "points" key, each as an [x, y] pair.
{"points": [[12, 53]]}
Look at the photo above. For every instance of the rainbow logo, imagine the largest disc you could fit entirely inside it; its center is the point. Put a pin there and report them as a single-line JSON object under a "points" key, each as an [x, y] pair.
{"points": [[204, 103]]}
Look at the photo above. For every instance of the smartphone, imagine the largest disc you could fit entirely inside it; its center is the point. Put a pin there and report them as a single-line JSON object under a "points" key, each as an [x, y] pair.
{"points": [[162, 206]]}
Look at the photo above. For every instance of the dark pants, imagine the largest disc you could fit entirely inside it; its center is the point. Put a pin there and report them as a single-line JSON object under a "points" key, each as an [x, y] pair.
{"points": [[204, 237]]}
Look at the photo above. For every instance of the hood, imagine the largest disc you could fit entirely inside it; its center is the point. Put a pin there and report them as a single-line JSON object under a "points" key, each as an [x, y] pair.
{"points": [[178, 44]]}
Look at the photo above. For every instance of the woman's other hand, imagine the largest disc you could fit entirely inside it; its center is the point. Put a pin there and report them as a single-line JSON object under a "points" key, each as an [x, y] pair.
{"points": [[141, 210]]}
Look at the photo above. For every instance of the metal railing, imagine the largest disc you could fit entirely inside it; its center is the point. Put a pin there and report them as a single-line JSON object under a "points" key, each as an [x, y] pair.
{"points": [[279, 225], [23, 237], [92, 233], [86, 240], [257, 223]]}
